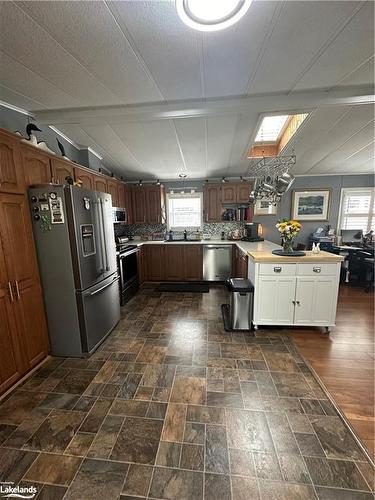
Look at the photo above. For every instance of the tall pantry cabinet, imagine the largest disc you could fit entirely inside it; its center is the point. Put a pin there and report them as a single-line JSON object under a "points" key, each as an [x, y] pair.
{"points": [[23, 330]]}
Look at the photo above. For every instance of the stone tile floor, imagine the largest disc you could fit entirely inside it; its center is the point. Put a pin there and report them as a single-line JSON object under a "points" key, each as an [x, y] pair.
{"points": [[173, 407]]}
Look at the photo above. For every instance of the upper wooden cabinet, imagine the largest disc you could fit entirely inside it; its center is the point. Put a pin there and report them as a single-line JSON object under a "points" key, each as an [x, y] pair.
{"points": [[148, 204], [234, 193], [36, 165], [127, 190], [11, 170], [85, 177], [100, 183], [139, 205], [61, 169], [155, 204], [212, 202], [113, 190], [243, 192], [229, 193]]}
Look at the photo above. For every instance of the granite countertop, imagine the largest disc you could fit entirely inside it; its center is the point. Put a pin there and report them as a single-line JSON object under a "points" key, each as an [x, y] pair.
{"points": [[264, 256], [245, 246]]}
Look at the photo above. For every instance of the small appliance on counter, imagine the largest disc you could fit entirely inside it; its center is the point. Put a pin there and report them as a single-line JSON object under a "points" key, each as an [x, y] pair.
{"points": [[127, 265], [73, 233], [253, 232]]}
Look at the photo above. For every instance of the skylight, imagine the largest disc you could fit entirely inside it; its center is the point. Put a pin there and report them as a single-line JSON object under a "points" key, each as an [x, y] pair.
{"points": [[271, 128]]}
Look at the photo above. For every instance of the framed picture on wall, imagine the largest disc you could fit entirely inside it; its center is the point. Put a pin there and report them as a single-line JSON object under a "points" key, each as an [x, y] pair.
{"points": [[311, 204], [264, 208]]}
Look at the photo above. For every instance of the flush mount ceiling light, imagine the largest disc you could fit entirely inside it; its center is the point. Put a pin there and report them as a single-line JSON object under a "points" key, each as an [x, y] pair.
{"points": [[182, 176], [211, 15]]}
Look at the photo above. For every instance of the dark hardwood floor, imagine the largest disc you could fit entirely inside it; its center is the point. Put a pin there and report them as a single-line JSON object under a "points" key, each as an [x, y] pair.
{"points": [[344, 360]]}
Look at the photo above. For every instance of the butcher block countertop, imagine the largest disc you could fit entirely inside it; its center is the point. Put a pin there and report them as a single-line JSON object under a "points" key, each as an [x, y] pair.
{"points": [[264, 256]]}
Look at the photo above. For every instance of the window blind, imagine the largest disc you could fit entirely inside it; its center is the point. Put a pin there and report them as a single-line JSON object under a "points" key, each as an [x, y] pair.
{"points": [[357, 209]]}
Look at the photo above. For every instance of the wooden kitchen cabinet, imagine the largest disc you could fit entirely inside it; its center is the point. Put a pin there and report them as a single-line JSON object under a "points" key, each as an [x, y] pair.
{"points": [[139, 205], [11, 171], [155, 204], [36, 165], [235, 192], [112, 189], [61, 169], [22, 275], [11, 362], [154, 262], [173, 260], [241, 263], [100, 183], [128, 202], [243, 191], [86, 177], [193, 262], [212, 203], [229, 193]]}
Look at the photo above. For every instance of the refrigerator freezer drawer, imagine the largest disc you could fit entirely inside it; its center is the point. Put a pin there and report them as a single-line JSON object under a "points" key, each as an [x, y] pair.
{"points": [[100, 306]]}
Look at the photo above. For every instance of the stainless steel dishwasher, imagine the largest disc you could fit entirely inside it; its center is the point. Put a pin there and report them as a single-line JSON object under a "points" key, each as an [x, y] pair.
{"points": [[217, 262]]}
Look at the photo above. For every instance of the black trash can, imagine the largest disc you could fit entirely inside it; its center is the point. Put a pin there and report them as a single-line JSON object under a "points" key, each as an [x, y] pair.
{"points": [[241, 303]]}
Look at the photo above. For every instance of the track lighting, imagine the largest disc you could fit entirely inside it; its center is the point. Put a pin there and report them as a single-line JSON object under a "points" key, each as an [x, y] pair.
{"points": [[182, 176], [223, 179], [157, 183], [140, 182]]}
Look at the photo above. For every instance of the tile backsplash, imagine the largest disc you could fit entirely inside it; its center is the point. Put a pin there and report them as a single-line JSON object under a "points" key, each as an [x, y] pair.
{"points": [[147, 229]]}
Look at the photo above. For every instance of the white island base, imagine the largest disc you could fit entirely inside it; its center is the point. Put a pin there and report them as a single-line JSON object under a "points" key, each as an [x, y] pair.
{"points": [[295, 291]]}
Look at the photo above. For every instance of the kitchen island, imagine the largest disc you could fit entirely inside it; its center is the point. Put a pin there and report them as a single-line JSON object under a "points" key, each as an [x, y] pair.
{"points": [[294, 291]]}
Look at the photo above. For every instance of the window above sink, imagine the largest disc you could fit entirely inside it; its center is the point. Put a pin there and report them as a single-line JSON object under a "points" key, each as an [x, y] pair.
{"points": [[184, 211]]}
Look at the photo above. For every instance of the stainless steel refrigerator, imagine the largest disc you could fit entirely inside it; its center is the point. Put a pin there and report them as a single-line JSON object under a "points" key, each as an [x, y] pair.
{"points": [[73, 232]]}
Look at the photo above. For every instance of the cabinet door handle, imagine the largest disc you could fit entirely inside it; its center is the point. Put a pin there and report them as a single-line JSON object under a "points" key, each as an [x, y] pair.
{"points": [[277, 269], [10, 291], [317, 269], [18, 291]]}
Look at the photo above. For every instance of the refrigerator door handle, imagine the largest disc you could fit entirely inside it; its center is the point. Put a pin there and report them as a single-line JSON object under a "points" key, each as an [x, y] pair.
{"points": [[105, 286], [102, 265], [104, 235]]}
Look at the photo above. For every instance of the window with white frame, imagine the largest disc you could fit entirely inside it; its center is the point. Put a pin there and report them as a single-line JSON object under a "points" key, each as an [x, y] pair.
{"points": [[184, 211], [357, 209]]}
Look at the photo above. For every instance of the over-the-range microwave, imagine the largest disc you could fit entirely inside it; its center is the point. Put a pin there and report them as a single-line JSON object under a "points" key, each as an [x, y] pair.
{"points": [[120, 215]]}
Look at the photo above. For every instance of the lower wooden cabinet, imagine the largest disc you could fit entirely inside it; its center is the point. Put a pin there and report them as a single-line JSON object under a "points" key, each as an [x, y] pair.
{"points": [[240, 264], [193, 262], [23, 338], [172, 262], [154, 262]]}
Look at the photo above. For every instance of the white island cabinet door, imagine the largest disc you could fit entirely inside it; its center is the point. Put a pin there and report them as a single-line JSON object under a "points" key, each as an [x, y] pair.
{"points": [[316, 300], [275, 300]]}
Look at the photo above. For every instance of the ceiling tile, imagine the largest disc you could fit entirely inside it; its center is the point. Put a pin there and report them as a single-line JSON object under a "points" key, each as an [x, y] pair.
{"points": [[353, 46], [294, 43]]}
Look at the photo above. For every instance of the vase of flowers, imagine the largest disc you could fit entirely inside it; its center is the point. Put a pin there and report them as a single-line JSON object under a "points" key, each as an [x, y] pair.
{"points": [[288, 228]]}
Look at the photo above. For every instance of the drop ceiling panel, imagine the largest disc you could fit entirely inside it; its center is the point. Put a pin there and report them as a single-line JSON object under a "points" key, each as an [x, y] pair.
{"points": [[356, 142], [19, 100], [169, 48], [44, 94], [220, 136], [104, 136], [294, 43], [364, 75], [230, 55], [192, 136], [28, 43], [90, 33], [245, 129], [353, 46], [351, 123]]}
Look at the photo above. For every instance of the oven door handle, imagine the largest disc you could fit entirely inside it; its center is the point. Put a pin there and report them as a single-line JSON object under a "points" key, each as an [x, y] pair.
{"points": [[126, 254]]}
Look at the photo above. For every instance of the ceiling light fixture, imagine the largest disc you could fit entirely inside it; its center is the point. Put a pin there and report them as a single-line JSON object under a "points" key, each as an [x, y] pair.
{"points": [[140, 182], [182, 176], [223, 179], [157, 183], [211, 15]]}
